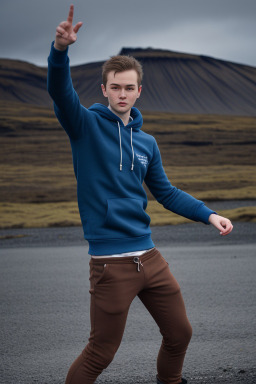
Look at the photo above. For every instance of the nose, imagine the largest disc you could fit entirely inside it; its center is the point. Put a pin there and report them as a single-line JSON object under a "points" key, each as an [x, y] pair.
{"points": [[122, 94]]}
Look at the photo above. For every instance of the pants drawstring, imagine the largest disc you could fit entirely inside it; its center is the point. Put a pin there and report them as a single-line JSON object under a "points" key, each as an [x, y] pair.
{"points": [[137, 261]]}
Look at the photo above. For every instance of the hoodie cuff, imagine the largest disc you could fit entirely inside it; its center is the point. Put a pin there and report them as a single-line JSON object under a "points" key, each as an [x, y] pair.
{"points": [[203, 213], [58, 58]]}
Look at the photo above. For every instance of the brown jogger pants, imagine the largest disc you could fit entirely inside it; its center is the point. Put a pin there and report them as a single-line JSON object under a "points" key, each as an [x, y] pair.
{"points": [[114, 283]]}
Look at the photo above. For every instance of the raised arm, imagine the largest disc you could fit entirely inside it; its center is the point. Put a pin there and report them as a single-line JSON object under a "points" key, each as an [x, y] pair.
{"points": [[71, 114]]}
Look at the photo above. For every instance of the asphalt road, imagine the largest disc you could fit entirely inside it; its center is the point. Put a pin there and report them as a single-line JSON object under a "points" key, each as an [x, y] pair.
{"points": [[45, 300]]}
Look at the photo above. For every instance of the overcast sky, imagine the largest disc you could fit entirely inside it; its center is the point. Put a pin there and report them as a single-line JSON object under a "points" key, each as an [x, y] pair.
{"points": [[224, 29]]}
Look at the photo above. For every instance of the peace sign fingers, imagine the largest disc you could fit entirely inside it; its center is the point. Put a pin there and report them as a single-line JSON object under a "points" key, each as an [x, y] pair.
{"points": [[66, 34]]}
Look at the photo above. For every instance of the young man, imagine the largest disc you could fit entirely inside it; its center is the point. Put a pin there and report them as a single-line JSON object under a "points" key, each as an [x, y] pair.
{"points": [[112, 157]]}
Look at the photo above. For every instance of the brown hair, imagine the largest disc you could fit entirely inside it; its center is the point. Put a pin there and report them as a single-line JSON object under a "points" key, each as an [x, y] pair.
{"points": [[121, 63]]}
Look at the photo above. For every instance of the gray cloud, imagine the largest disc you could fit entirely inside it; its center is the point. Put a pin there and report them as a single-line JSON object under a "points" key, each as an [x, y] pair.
{"points": [[222, 28]]}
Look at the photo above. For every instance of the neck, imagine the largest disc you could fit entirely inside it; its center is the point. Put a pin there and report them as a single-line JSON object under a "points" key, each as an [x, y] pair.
{"points": [[123, 116]]}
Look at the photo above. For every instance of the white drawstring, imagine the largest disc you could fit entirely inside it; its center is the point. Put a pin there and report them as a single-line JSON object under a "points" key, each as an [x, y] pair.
{"points": [[121, 153], [121, 157], [132, 152]]}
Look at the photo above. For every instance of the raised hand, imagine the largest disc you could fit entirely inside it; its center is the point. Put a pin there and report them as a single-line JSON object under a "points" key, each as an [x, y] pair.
{"points": [[66, 34]]}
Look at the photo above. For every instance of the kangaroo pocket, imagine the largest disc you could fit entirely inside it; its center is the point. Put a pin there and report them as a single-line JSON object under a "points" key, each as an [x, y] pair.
{"points": [[126, 218]]}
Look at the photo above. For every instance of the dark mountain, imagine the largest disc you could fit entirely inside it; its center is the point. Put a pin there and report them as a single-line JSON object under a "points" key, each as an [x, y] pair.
{"points": [[23, 82], [173, 82]]}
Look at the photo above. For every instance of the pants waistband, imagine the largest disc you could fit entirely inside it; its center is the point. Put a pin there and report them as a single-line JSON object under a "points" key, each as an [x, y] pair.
{"points": [[124, 259]]}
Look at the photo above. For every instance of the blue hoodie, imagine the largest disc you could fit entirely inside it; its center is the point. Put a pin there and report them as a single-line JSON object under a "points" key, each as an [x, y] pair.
{"points": [[111, 161]]}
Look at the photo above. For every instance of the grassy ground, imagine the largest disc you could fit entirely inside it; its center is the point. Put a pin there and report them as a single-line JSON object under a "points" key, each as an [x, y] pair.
{"points": [[34, 215], [211, 157]]}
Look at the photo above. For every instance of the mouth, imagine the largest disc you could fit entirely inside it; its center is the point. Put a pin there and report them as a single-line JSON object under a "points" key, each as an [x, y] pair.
{"points": [[122, 104]]}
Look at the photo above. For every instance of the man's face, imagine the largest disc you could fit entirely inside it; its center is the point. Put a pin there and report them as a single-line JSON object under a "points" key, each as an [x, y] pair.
{"points": [[121, 90]]}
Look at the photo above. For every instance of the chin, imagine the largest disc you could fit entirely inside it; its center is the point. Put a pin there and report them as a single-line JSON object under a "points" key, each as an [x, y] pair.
{"points": [[122, 109]]}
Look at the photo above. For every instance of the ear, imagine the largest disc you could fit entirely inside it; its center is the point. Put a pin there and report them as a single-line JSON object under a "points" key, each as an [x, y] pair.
{"points": [[139, 91], [104, 90]]}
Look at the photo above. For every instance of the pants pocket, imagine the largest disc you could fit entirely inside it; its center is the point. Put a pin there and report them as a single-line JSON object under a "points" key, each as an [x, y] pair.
{"points": [[97, 273], [164, 260]]}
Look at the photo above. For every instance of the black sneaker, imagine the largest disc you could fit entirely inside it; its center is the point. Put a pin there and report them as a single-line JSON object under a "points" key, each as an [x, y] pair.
{"points": [[183, 381]]}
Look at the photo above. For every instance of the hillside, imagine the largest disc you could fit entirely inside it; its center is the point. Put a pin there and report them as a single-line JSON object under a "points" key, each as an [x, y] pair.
{"points": [[173, 82]]}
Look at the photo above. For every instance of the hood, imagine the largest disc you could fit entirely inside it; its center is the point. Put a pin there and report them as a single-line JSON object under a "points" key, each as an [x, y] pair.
{"points": [[136, 117]]}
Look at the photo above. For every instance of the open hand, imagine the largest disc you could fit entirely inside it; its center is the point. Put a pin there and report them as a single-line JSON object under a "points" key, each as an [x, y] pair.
{"points": [[224, 225], [66, 34]]}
